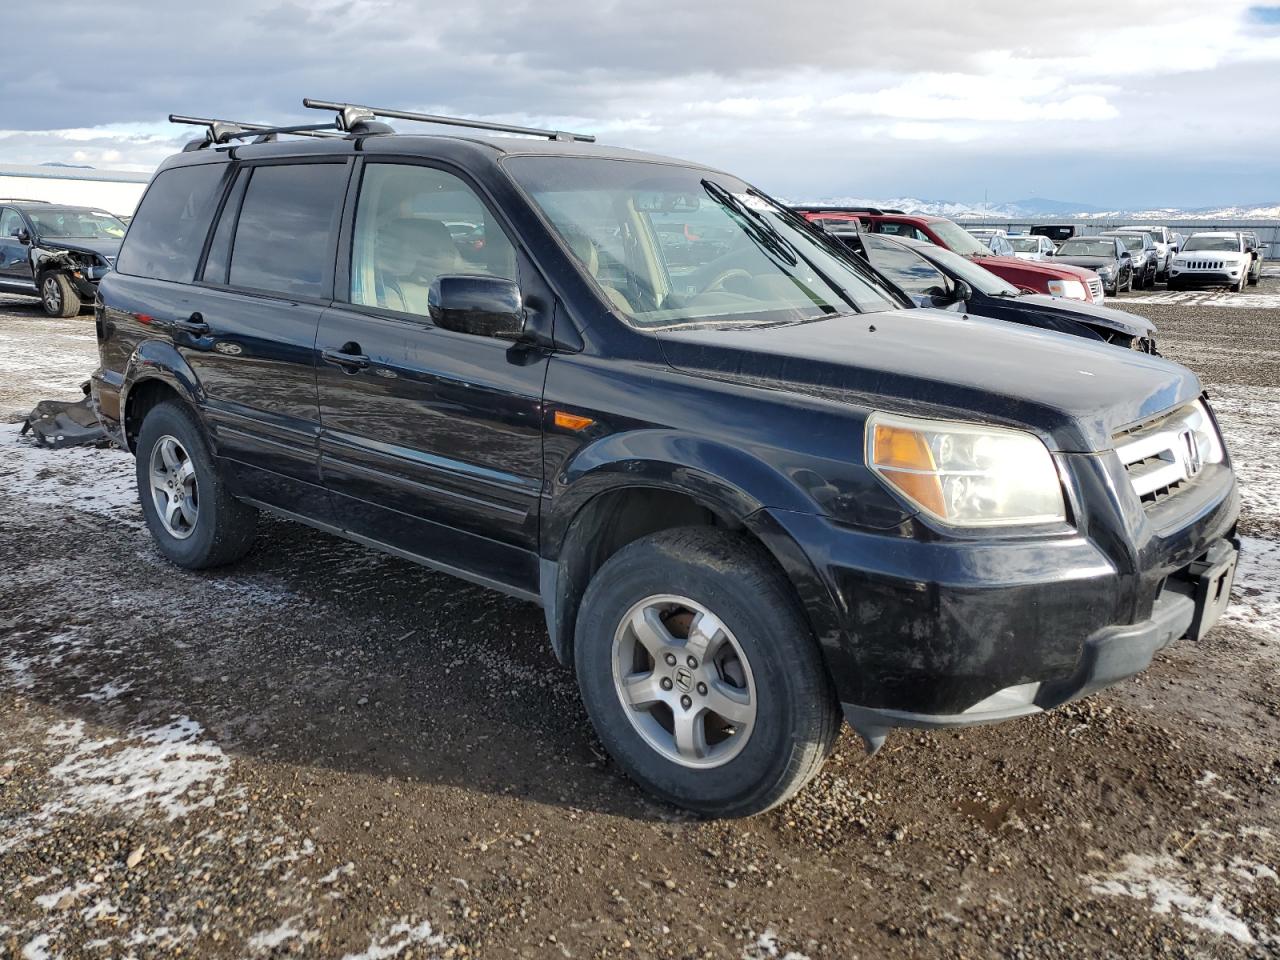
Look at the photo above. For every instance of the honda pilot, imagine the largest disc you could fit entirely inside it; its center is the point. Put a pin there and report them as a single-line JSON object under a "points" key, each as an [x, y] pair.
{"points": [[753, 493]]}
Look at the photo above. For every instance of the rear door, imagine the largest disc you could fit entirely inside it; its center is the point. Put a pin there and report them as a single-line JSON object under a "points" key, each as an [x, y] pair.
{"points": [[431, 440], [266, 279]]}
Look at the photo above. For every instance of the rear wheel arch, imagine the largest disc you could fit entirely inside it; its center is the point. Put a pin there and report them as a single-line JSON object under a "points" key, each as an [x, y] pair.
{"points": [[145, 395]]}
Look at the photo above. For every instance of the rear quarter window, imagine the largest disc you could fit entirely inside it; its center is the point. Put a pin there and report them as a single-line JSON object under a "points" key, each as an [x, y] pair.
{"points": [[168, 232]]}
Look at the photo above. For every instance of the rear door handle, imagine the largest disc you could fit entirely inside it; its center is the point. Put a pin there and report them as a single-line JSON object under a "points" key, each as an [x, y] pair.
{"points": [[193, 325], [349, 357]]}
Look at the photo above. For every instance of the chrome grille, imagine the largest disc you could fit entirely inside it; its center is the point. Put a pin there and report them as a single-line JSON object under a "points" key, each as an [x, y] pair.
{"points": [[1203, 265], [1095, 288], [1164, 455]]}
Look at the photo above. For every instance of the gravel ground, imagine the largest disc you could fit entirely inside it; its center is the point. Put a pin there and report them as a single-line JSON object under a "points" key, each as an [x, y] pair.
{"points": [[332, 753]]}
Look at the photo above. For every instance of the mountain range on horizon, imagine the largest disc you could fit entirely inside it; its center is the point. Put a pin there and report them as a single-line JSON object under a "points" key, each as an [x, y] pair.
{"points": [[1038, 208]]}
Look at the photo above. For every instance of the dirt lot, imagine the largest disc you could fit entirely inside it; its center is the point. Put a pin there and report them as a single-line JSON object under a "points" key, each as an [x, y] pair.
{"points": [[331, 753]]}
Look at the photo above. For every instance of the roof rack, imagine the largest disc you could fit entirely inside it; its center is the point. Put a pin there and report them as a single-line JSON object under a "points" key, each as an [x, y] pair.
{"points": [[21, 200], [359, 113], [224, 131], [821, 208]]}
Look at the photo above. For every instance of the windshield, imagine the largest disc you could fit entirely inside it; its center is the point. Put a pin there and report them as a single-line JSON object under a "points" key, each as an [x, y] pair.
{"points": [[1088, 248], [77, 224], [1223, 244], [1025, 244], [954, 237], [674, 247], [1132, 242]]}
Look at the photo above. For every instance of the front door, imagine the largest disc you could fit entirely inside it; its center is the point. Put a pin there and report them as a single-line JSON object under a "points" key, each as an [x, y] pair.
{"points": [[431, 440], [15, 264]]}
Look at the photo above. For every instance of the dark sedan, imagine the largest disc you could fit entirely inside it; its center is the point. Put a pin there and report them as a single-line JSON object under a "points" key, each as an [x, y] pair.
{"points": [[1106, 255], [934, 277]]}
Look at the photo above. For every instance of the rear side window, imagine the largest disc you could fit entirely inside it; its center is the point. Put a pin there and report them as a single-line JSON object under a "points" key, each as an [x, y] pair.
{"points": [[168, 232], [284, 239]]}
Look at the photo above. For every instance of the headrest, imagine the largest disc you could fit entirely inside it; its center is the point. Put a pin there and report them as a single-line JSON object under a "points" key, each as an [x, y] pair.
{"points": [[422, 236], [585, 251]]}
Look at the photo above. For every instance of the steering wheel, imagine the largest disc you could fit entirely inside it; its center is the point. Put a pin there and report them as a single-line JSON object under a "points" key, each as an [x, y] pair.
{"points": [[723, 277]]}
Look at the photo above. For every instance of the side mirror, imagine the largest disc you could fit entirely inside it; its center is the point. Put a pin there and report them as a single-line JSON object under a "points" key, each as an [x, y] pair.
{"points": [[961, 292], [1126, 255], [480, 306]]}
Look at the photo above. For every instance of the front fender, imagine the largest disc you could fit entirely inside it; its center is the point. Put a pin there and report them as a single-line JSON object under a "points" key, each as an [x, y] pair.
{"points": [[667, 460]]}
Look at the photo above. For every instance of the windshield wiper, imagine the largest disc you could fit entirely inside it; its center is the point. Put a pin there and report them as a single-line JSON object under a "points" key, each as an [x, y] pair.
{"points": [[760, 229]]}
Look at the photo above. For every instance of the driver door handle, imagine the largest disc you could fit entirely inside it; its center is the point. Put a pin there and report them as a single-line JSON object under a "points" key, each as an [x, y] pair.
{"points": [[348, 357], [193, 325]]}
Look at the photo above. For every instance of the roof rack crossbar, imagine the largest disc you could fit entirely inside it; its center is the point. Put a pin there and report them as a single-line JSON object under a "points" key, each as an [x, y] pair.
{"points": [[351, 109], [221, 131]]}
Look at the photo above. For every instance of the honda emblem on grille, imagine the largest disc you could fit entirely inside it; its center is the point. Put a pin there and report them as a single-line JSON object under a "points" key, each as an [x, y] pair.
{"points": [[1191, 459]]}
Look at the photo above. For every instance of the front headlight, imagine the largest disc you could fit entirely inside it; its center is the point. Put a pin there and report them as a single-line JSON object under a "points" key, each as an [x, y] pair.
{"points": [[1071, 289], [1106, 271], [966, 475]]}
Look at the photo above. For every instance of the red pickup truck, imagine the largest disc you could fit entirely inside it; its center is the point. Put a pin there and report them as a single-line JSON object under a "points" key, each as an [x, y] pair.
{"points": [[1055, 279]]}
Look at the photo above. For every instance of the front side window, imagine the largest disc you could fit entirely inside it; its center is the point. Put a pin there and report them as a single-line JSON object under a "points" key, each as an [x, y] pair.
{"points": [[10, 222], [168, 232], [288, 222], [414, 224], [910, 271], [674, 247]]}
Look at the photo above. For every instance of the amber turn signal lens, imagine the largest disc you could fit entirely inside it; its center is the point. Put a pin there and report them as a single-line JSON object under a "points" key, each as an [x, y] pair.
{"points": [[571, 421], [898, 447]]}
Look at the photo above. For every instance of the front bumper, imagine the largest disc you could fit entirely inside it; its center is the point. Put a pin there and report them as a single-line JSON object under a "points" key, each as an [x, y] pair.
{"points": [[933, 632], [1202, 278]]}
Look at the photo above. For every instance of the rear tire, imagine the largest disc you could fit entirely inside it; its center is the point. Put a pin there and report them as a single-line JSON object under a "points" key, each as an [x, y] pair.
{"points": [[195, 521], [654, 608], [58, 296]]}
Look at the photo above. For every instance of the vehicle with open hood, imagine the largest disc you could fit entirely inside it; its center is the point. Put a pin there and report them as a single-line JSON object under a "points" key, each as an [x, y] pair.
{"points": [[56, 252], [753, 491]]}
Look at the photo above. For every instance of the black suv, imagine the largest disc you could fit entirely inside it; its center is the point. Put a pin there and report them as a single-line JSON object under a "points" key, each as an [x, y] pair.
{"points": [[56, 252], [750, 490]]}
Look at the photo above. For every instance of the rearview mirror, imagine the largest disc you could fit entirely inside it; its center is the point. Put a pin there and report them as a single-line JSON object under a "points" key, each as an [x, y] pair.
{"points": [[480, 306], [22, 235]]}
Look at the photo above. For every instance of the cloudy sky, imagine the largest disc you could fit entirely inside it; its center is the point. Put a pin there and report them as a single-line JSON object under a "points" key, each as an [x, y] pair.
{"points": [[1116, 103]]}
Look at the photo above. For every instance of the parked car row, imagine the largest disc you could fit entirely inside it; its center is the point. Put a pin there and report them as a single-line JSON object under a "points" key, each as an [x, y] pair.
{"points": [[758, 482]]}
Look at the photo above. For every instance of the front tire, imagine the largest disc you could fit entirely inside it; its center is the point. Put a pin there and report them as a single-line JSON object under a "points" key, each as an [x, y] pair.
{"points": [[700, 674], [194, 520], [58, 296]]}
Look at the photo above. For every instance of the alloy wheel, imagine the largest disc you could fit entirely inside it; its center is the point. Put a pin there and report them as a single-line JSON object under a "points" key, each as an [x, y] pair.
{"points": [[174, 490], [684, 681], [52, 295]]}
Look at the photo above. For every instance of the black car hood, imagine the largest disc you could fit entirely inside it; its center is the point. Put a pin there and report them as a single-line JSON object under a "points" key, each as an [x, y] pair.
{"points": [[1075, 393], [1089, 313], [1093, 263], [104, 248]]}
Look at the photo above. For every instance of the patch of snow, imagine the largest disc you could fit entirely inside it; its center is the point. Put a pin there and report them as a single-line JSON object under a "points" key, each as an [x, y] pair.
{"points": [[268, 940], [1211, 297], [1255, 597], [111, 690], [81, 479], [50, 901], [37, 948], [170, 769], [398, 939], [766, 947], [343, 871], [1154, 878]]}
